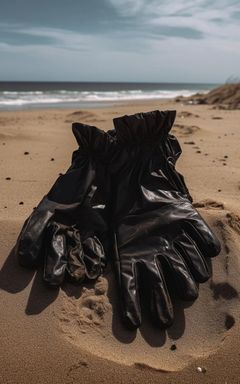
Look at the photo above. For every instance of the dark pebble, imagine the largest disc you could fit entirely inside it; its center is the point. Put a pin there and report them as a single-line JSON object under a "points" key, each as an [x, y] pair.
{"points": [[229, 322], [225, 157], [52, 159], [224, 164], [198, 152], [173, 347], [189, 142], [21, 203], [219, 190], [26, 153], [8, 178]]}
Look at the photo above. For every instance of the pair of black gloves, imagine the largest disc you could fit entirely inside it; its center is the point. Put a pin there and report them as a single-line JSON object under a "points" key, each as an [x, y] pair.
{"points": [[122, 199]]}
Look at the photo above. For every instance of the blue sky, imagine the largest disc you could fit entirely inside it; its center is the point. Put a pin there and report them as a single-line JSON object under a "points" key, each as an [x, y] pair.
{"points": [[120, 40]]}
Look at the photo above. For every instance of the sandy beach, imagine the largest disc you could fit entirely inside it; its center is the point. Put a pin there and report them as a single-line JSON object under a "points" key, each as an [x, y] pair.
{"points": [[74, 334]]}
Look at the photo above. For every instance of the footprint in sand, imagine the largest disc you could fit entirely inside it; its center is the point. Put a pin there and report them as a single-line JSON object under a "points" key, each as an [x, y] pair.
{"points": [[81, 116], [209, 204], [183, 130], [91, 320], [189, 142], [234, 221], [184, 114]]}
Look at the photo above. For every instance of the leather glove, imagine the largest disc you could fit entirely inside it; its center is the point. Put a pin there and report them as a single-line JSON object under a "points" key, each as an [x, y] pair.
{"points": [[67, 232], [157, 233]]}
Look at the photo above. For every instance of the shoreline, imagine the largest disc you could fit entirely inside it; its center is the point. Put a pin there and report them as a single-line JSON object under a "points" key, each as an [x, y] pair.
{"points": [[38, 95]]}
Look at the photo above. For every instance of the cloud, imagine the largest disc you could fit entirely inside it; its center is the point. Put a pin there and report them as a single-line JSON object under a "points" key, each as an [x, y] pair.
{"points": [[183, 18], [133, 20], [18, 35], [128, 7]]}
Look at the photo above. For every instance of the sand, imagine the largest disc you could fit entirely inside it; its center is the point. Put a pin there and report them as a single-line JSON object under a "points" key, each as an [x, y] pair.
{"points": [[73, 334]]}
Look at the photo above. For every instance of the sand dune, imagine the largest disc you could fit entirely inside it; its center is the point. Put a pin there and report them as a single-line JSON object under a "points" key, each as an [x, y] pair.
{"points": [[224, 97]]}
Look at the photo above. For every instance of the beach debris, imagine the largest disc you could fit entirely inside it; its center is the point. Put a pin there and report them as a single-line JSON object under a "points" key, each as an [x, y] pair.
{"points": [[26, 153], [229, 321], [8, 178], [201, 370], [21, 203], [223, 290]]}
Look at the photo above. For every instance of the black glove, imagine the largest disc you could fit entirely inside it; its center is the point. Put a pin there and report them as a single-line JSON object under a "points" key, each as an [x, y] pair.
{"points": [[68, 230], [157, 232]]}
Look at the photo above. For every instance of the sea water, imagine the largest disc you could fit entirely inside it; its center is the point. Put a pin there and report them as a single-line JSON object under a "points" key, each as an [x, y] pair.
{"points": [[26, 95]]}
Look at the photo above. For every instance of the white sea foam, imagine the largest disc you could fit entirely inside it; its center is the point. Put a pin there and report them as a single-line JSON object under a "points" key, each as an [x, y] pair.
{"points": [[64, 97]]}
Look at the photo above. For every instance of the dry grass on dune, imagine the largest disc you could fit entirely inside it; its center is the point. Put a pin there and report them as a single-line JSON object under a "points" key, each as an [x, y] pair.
{"points": [[225, 97]]}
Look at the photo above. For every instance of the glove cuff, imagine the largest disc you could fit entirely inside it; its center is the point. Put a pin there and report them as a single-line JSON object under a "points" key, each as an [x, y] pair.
{"points": [[91, 139], [143, 128]]}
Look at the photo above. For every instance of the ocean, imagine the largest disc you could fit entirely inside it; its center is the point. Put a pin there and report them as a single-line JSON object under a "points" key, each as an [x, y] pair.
{"points": [[27, 95]]}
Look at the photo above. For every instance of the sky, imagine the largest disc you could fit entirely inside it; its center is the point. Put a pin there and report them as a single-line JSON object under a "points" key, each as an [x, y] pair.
{"points": [[120, 40]]}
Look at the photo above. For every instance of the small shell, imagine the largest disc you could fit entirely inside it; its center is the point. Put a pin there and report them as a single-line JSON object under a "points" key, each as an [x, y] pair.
{"points": [[202, 370]]}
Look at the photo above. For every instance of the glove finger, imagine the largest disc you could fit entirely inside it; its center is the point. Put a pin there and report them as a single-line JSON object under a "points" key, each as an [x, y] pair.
{"points": [[131, 311], [193, 258], [55, 255], [205, 239], [31, 238], [75, 266], [93, 257], [185, 284], [84, 259], [161, 305]]}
